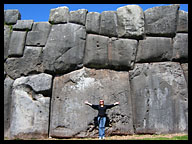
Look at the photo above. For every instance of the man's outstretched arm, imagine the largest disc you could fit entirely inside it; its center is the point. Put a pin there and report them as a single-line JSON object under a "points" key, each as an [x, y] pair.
{"points": [[86, 102], [112, 105]]}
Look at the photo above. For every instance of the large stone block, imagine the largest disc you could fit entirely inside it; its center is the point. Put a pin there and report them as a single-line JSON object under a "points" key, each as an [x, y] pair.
{"points": [[153, 49], [185, 71], [59, 15], [23, 25], [29, 63], [7, 36], [161, 21], [93, 22], [39, 34], [78, 16], [17, 43], [108, 23], [70, 117], [11, 16], [121, 53], [65, 48], [96, 51], [182, 24], [130, 20], [7, 105], [180, 47], [159, 98], [30, 110]]}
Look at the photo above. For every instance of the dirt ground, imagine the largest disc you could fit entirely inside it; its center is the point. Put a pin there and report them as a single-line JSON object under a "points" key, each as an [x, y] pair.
{"points": [[127, 137]]}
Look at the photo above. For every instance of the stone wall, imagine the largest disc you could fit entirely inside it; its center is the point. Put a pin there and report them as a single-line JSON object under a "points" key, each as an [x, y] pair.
{"points": [[136, 57]]}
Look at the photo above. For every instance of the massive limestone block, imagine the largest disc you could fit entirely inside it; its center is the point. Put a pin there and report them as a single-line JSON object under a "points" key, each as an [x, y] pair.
{"points": [[182, 24], [11, 16], [7, 105], [7, 36], [161, 21], [78, 16], [59, 15], [17, 43], [23, 25], [65, 48], [39, 34], [121, 53], [96, 51], [29, 63], [71, 117], [130, 20], [93, 22], [30, 110], [108, 23], [153, 49], [159, 98], [180, 47]]}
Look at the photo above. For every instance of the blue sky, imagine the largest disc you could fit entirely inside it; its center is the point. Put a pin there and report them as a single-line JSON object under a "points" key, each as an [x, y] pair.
{"points": [[40, 12]]}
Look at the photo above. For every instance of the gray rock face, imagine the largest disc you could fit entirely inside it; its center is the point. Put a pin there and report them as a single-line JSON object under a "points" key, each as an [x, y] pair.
{"points": [[78, 16], [71, 90], [30, 111], [108, 23], [180, 47], [182, 25], [7, 105], [96, 51], [11, 16], [185, 71], [130, 21], [93, 22], [7, 36], [104, 52], [39, 34], [23, 25], [65, 48], [159, 98], [154, 49], [161, 21], [40, 83], [29, 63], [17, 43], [59, 15]]}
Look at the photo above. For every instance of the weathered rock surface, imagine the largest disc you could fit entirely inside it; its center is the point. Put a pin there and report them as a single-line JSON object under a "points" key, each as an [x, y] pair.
{"points": [[29, 63], [78, 17], [17, 43], [30, 111], [40, 83], [161, 21], [105, 52], [108, 23], [130, 20], [65, 48], [185, 71], [180, 47], [59, 15], [153, 49], [93, 22], [182, 24], [39, 34], [159, 98], [23, 25], [11, 16], [7, 36], [7, 105], [71, 117], [96, 51]]}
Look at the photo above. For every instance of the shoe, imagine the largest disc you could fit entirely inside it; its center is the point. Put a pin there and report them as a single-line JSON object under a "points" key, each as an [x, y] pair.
{"points": [[99, 137], [103, 137]]}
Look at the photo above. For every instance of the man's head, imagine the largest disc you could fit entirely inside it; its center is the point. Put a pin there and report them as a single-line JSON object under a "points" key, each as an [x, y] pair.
{"points": [[101, 102]]}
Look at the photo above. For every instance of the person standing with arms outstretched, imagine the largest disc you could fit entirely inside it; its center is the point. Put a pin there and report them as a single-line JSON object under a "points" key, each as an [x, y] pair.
{"points": [[101, 115]]}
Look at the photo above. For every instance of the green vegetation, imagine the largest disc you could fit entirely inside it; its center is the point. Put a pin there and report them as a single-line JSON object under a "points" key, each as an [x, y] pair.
{"points": [[185, 137]]}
